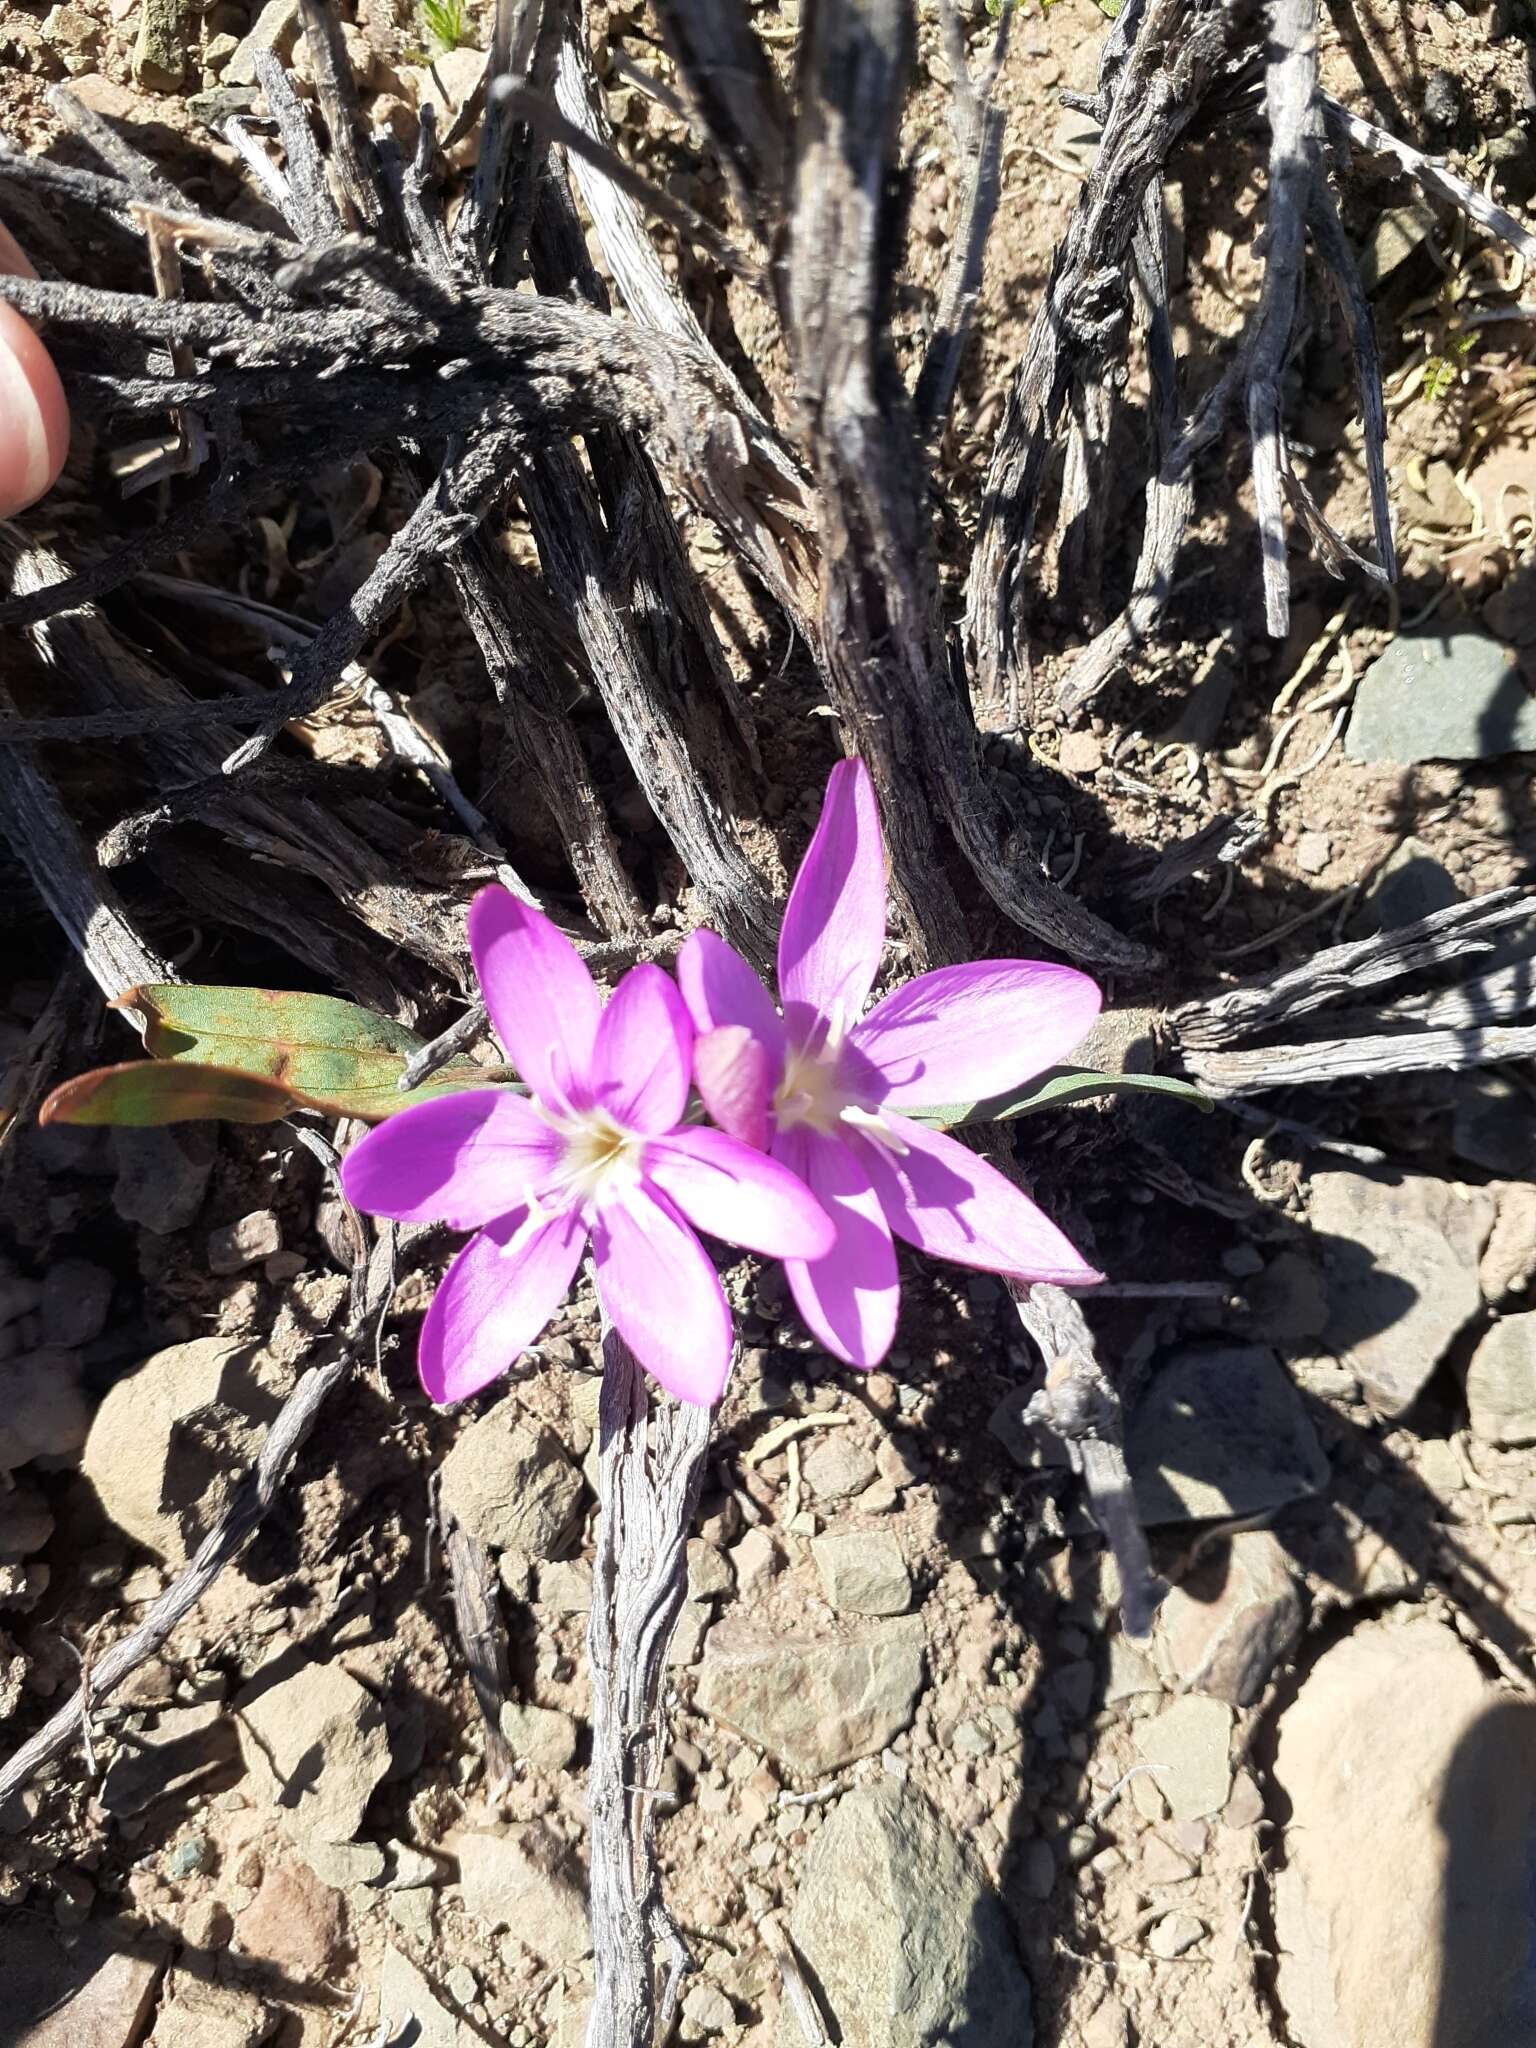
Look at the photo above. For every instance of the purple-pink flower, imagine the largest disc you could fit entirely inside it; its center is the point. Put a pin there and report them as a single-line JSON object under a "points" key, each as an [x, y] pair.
{"points": [[597, 1149], [822, 1088]]}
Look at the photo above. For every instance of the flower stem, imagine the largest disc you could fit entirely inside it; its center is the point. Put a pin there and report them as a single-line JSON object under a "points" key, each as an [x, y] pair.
{"points": [[650, 1465]]}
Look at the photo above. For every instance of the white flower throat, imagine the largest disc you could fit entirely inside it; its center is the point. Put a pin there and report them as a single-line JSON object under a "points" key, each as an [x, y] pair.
{"points": [[602, 1159], [815, 1092]]}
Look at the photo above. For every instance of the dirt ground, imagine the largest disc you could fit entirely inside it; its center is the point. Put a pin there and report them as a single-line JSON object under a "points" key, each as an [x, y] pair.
{"points": [[1142, 1810]]}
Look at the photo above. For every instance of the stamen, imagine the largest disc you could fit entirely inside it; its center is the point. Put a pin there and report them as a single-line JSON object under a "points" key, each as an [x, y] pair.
{"points": [[876, 1129]]}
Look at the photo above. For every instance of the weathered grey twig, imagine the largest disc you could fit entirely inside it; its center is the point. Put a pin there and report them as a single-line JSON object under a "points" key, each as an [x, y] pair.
{"points": [[650, 1465], [977, 121], [1290, 97], [1334, 978], [483, 1639], [1154, 70], [65, 875], [336, 90], [736, 100], [1223, 840], [1081, 1408], [1432, 175], [1170, 492], [887, 667], [372, 1285], [1252, 1070]]}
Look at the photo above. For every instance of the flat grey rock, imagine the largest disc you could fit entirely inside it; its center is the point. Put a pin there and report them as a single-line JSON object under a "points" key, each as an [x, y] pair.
{"points": [[1442, 696], [1221, 1431], [1400, 1258], [907, 1946]]}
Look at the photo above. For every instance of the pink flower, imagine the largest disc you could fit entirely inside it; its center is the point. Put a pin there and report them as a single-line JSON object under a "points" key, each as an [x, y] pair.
{"points": [[596, 1149], [823, 1091]]}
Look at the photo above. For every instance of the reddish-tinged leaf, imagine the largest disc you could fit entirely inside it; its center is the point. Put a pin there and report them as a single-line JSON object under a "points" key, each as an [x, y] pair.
{"points": [[143, 1092]]}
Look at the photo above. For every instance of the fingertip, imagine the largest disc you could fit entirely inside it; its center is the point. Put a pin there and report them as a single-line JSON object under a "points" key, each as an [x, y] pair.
{"points": [[34, 416]]}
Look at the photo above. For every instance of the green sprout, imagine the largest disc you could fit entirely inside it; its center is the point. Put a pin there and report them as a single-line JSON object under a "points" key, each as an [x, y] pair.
{"points": [[445, 23], [1440, 371]]}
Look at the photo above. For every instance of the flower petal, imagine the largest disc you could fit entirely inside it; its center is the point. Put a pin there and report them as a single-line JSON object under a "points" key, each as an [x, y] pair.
{"points": [[719, 987], [542, 1000], [728, 1190], [644, 1048], [463, 1159], [834, 923], [945, 1200], [494, 1299], [848, 1299], [658, 1284], [732, 1072], [960, 1034]]}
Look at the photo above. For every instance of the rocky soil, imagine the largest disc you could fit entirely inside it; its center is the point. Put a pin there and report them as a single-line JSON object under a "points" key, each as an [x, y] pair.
{"points": [[909, 1732]]}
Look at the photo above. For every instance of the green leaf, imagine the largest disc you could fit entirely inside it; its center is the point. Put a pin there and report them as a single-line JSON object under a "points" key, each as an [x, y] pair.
{"points": [[1054, 1089], [324, 1053], [143, 1092]]}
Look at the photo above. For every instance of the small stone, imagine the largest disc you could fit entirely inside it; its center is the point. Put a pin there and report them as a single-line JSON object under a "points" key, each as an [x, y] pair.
{"points": [[1401, 1264], [906, 1945], [170, 1442], [411, 1909], [74, 35], [410, 1868], [1245, 1802], [188, 1749], [203, 2014], [1399, 233], [76, 1295], [1175, 1935], [1108, 2026], [344, 1865], [1501, 1382], [1288, 1301], [1080, 753], [276, 29], [525, 1881], [1314, 850], [1188, 1742], [1491, 1125], [755, 1557], [710, 1576], [1508, 1264], [814, 1705], [863, 1574], [245, 1242], [836, 1467], [295, 1924], [1130, 1674], [316, 1747], [98, 1994], [1072, 1686], [1227, 1624], [1037, 1869], [1442, 98], [46, 1413], [1411, 1787], [539, 1735], [694, 1621], [1158, 1862], [1412, 884], [1221, 1431], [510, 1484], [190, 1857], [162, 1173], [405, 1995], [566, 1588], [707, 2010], [462, 1985], [1442, 695]]}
